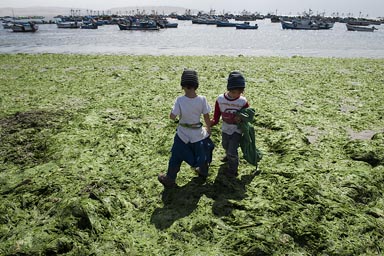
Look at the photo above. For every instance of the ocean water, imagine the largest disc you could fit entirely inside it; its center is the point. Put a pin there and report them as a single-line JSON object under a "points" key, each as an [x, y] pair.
{"points": [[192, 39]]}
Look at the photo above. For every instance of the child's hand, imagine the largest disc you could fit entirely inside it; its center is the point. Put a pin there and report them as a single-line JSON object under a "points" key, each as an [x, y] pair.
{"points": [[237, 119], [208, 128]]}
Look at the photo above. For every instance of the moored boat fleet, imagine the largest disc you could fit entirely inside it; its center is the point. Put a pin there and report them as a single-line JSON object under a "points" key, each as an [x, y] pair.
{"points": [[157, 22]]}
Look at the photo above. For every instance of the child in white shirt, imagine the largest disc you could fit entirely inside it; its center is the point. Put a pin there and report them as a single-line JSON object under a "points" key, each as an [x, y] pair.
{"points": [[191, 143]]}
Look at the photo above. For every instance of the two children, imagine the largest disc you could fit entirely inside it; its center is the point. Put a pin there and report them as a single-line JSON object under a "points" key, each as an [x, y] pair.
{"points": [[192, 143]]}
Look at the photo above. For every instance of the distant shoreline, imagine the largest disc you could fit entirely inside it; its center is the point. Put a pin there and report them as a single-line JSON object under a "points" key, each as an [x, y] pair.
{"points": [[50, 12]]}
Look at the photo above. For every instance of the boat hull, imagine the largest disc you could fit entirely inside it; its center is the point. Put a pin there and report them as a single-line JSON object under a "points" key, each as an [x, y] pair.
{"points": [[89, 26], [360, 28], [226, 24], [24, 28], [204, 21], [246, 26], [69, 24], [298, 25], [137, 27], [171, 25]]}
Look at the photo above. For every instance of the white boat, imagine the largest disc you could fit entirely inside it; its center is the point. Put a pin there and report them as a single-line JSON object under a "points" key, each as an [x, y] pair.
{"points": [[360, 28], [69, 24], [25, 27], [304, 24]]}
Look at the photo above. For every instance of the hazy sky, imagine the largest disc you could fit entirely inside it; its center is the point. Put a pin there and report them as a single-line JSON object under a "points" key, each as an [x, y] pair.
{"points": [[373, 8]]}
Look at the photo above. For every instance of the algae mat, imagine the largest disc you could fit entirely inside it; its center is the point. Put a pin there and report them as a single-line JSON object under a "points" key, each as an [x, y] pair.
{"points": [[84, 137]]}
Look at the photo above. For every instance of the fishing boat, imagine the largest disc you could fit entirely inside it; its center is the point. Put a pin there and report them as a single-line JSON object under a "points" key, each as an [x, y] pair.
{"points": [[184, 17], [204, 20], [24, 27], [226, 23], [164, 23], [275, 19], [359, 22], [139, 25], [360, 28], [89, 25], [7, 25], [325, 24], [69, 24], [171, 25], [303, 24], [246, 25]]}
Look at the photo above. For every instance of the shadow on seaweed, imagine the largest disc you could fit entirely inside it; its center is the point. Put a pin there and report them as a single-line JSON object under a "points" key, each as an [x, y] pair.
{"points": [[225, 189], [178, 203], [181, 202]]}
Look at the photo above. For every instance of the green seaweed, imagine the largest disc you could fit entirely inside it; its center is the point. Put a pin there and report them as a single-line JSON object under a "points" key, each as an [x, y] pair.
{"points": [[83, 138]]}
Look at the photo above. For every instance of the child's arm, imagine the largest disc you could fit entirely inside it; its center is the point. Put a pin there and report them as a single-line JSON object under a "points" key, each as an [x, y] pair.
{"points": [[207, 121], [246, 105], [172, 116], [216, 115], [175, 110]]}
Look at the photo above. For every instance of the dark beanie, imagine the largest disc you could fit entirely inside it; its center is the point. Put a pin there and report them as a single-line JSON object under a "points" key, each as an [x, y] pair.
{"points": [[235, 80], [189, 78]]}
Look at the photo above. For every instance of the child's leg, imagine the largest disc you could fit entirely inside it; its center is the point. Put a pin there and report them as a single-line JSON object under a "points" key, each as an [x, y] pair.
{"points": [[231, 144], [225, 141], [180, 152], [203, 155], [169, 179], [177, 157], [174, 163], [173, 168]]}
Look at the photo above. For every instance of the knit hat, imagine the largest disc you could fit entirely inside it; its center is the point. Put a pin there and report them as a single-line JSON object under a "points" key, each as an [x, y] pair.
{"points": [[189, 78], [235, 80]]}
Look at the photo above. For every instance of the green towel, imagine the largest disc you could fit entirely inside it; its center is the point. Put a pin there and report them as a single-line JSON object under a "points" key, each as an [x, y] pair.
{"points": [[247, 142]]}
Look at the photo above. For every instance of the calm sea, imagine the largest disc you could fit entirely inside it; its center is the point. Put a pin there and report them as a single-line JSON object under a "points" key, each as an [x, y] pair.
{"points": [[191, 39]]}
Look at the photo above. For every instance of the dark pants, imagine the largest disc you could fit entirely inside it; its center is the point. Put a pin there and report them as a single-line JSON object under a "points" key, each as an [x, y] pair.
{"points": [[231, 143], [198, 154]]}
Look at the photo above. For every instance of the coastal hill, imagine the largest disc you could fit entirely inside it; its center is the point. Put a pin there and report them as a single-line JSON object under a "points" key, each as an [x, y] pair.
{"points": [[49, 12]]}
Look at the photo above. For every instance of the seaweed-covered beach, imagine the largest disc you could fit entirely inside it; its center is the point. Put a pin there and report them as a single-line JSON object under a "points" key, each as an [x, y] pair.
{"points": [[83, 137]]}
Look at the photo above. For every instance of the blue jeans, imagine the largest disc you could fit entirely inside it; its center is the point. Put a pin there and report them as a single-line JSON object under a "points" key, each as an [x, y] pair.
{"points": [[198, 154], [231, 143]]}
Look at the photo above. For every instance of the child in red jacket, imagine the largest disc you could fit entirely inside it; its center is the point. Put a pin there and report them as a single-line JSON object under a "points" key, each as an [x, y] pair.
{"points": [[226, 106]]}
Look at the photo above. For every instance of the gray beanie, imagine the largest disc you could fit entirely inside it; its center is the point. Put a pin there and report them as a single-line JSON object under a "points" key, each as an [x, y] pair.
{"points": [[189, 78], [235, 80]]}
